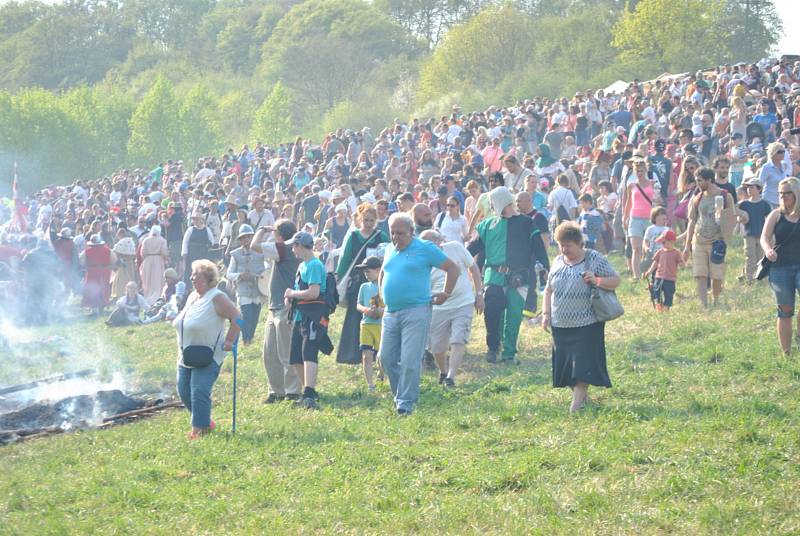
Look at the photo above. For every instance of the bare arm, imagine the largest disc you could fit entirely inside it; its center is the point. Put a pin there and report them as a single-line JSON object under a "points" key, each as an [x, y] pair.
{"points": [[477, 283], [768, 235], [226, 309]]}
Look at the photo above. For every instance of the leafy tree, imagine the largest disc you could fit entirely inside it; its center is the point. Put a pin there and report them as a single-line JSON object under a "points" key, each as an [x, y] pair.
{"points": [[155, 128], [272, 122], [236, 115], [429, 19], [472, 58], [674, 35], [199, 126]]}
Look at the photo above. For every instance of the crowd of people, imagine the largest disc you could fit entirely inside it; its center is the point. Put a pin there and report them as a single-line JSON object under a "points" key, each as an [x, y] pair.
{"points": [[416, 228]]}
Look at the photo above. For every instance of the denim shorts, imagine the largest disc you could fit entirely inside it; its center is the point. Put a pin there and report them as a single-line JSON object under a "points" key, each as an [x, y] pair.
{"points": [[785, 283], [637, 227]]}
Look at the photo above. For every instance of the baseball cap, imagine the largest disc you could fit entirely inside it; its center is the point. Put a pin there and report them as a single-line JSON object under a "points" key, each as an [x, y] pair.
{"points": [[669, 234], [370, 263], [303, 239]]}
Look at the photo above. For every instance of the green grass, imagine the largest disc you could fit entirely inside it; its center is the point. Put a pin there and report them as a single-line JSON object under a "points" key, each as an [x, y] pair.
{"points": [[699, 435]]}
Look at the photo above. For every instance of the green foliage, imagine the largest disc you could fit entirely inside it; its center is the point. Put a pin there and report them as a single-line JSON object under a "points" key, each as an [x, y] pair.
{"points": [[674, 35], [155, 130], [200, 132], [355, 61], [272, 122], [470, 57]]}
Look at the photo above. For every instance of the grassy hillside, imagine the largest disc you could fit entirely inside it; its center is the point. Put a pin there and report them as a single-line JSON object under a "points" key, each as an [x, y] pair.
{"points": [[697, 436]]}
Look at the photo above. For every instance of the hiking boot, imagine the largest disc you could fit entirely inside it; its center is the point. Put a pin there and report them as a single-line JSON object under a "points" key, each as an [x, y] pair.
{"points": [[442, 377], [491, 356], [294, 397], [309, 403], [273, 398], [449, 383]]}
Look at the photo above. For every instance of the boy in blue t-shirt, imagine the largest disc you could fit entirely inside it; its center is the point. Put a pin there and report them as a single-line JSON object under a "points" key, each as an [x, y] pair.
{"points": [[752, 213], [371, 308], [310, 330]]}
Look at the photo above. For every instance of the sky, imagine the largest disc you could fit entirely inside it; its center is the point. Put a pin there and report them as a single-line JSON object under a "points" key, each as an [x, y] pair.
{"points": [[789, 11]]}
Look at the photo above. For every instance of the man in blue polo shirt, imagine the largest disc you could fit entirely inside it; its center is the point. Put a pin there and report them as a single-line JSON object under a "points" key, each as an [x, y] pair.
{"points": [[405, 283]]}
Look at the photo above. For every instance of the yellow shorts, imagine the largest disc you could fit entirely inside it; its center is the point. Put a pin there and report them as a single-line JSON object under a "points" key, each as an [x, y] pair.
{"points": [[702, 265], [370, 336]]}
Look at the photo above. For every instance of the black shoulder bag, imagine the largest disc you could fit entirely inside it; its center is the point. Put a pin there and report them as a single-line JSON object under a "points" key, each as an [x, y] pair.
{"points": [[197, 355], [763, 266]]}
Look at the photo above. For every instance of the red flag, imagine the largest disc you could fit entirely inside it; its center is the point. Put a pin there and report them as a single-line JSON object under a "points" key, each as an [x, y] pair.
{"points": [[18, 220]]}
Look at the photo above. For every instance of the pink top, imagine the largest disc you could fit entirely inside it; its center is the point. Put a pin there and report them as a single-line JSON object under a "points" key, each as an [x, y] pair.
{"points": [[640, 207], [667, 263]]}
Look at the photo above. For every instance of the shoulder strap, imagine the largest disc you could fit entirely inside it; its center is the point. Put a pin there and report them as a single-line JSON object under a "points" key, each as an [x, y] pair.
{"points": [[650, 201], [360, 251], [440, 219]]}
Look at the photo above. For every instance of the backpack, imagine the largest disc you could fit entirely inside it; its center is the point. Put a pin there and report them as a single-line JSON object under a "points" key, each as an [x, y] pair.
{"points": [[331, 295], [562, 214]]}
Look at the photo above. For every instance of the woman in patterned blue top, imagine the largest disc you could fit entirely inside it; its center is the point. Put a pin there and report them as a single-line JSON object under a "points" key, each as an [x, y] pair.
{"points": [[579, 349]]}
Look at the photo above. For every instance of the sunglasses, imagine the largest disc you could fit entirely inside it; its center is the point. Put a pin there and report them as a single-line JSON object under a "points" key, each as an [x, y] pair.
{"points": [[784, 194], [449, 205]]}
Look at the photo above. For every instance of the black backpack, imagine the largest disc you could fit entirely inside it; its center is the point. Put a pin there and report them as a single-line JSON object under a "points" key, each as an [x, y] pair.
{"points": [[331, 296]]}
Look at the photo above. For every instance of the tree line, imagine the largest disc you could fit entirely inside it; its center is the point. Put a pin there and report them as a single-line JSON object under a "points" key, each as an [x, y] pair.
{"points": [[93, 85]]}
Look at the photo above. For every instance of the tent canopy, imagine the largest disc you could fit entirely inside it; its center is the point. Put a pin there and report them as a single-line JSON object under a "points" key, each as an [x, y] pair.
{"points": [[617, 87]]}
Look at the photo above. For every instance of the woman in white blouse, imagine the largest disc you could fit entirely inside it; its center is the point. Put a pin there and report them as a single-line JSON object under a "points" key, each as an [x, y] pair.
{"points": [[452, 225]]}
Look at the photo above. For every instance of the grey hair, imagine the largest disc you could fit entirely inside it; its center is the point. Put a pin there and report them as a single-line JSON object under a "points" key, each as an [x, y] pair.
{"points": [[403, 217], [432, 235]]}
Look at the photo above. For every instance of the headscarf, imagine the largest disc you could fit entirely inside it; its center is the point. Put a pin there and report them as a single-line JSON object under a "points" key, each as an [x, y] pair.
{"points": [[500, 198], [155, 230], [545, 160]]}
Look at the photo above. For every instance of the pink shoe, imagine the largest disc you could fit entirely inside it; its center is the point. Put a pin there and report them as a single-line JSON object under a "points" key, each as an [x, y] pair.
{"points": [[212, 426], [193, 435]]}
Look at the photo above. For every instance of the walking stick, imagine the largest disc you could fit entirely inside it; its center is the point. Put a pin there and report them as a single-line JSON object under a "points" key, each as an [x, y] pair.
{"points": [[235, 350]]}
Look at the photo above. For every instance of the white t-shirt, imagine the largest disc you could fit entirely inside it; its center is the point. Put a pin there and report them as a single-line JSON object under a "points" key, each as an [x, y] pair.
{"points": [[453, 230], [561, 197], [463, 293]]}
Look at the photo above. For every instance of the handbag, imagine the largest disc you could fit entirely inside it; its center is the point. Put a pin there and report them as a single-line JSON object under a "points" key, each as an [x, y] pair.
{"points": [[197, 355], [605, 305], [344, 282], [764, 264]]}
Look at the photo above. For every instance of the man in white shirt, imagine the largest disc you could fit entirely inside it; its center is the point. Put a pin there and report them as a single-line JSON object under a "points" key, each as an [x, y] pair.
{"points": [[562, 196], [259, 216], [451, 322]]}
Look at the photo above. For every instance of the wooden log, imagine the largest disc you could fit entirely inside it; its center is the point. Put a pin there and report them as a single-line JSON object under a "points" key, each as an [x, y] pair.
{"points": [[142, 411], [51, 379]]}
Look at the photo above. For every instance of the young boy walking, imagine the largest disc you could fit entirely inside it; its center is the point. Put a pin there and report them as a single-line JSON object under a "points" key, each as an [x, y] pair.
{"points": [[665, 265], [371, 309], [752, 213]]}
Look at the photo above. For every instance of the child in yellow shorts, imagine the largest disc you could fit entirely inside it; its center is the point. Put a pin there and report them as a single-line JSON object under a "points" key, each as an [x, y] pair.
{"points": [[370, 306]]}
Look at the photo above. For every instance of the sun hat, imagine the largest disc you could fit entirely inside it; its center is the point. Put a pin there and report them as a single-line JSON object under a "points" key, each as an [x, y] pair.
{"points": [[245, 230]]}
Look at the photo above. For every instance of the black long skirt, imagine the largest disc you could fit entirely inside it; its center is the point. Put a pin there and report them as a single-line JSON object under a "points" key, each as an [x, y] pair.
{"points": [[579, 354], [349, 350]]}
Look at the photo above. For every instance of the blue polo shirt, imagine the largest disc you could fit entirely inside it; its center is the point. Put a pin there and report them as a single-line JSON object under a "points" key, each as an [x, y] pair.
{"points": [[406, 279]]}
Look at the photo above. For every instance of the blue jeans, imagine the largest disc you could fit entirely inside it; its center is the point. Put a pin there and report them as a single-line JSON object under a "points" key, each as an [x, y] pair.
{"points": [[250, 314], [785, 283], [404, 336], [194, 388]]}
